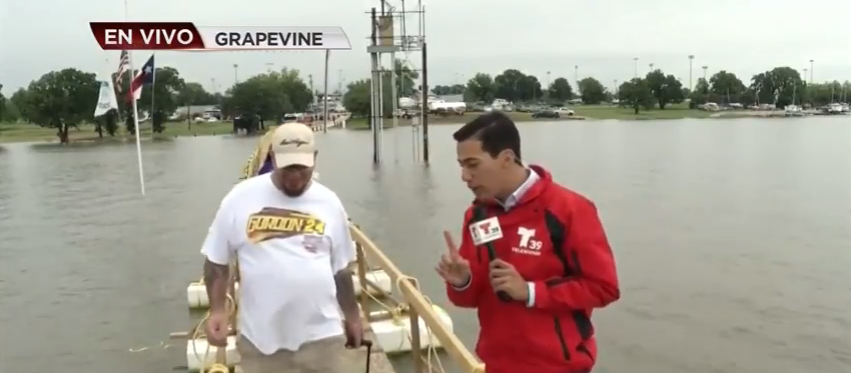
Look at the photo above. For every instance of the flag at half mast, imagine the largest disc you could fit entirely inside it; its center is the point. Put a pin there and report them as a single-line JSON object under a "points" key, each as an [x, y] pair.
{"points": [[144, 76]]}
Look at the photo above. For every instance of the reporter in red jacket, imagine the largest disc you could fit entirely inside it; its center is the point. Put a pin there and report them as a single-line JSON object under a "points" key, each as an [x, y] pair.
{"points": [[552, 259]]}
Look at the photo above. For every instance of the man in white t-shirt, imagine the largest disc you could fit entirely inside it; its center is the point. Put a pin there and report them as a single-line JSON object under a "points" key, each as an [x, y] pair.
{"points": [[291, 237]]}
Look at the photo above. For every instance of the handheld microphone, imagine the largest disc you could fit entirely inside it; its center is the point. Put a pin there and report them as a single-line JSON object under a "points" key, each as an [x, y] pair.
{"points": [[484, 231]]}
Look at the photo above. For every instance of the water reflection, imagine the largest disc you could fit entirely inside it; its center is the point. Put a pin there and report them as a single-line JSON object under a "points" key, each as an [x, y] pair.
{"points": [[732, 238]]}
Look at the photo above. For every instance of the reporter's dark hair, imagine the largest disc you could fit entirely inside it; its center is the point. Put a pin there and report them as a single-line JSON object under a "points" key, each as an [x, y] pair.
{"points": [[495, 130]]}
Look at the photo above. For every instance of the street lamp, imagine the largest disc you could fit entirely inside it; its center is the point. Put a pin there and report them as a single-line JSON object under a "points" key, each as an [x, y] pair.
{"points": [[690, 60], [812, 72], [635, 66], [704, 74], [235, 74], [576, 74], [651, 67]]}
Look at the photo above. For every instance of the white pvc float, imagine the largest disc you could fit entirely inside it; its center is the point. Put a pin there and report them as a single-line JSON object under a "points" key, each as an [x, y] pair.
{"points": [[197, 353], [196, 292], [393, 335]]}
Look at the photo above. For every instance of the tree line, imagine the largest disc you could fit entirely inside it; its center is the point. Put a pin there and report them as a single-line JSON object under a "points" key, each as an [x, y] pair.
{"points": [[780, 86], [66, 98]]}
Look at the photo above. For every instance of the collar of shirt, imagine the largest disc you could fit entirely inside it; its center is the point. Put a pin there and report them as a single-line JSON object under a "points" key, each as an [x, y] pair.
{"points": [[512, 200]]}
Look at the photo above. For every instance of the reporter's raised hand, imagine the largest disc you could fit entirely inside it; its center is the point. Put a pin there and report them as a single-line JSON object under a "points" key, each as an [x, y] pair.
{"points": [[452, 267]]}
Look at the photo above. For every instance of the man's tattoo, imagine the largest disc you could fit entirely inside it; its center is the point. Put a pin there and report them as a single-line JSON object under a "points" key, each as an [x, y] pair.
{"points": [[216, 279], [346, 294]]}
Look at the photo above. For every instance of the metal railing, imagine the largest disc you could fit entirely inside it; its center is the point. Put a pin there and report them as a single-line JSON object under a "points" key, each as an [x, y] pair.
{"points": [[418, 305]]}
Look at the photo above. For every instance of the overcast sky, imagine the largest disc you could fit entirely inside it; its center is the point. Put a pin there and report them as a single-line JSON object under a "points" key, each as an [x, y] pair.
{"points": [[465, 37]]}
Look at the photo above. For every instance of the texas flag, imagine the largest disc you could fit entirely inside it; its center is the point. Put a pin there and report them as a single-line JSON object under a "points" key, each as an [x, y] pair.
{"points": [[144, 76]]}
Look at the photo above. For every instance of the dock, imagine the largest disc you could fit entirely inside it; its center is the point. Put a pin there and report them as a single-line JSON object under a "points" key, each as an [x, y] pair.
{"points": [[378, 360], [408, 323]]}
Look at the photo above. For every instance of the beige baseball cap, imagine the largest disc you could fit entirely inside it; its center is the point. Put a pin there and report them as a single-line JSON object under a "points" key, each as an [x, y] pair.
{"points": [[293, 144]]}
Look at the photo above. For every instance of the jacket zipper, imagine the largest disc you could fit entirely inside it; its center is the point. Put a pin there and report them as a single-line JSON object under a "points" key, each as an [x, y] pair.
{"points": [[560, 335]]}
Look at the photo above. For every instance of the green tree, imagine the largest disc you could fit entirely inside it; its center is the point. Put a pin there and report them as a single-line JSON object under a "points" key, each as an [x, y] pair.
{"points": [[515, 86], [591, 91], [455, 89], [727, 86], [194, 94], [560, 90], [726, 83], [666, 89], [480, 88], [62, 99], [20, 100], [3, 109], [820, 94], [269, 96], [702, 86], [529, 89], [778, 86], [405, 85], [637, 94], [356, 100], [167, 84], [507, 84], [261, 95], [294, 88]]}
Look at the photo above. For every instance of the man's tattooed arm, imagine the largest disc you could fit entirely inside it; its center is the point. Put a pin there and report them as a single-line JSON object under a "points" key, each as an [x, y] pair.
{"points": [[346, 294], [216, 279]]}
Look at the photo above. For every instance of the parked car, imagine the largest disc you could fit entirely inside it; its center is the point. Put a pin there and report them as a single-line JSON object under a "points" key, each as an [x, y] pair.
{"points": [[546, 114], [564, 111]]}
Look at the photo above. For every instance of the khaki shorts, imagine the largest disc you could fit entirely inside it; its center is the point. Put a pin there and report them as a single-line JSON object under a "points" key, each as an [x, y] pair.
{"points": [[327, 355]]}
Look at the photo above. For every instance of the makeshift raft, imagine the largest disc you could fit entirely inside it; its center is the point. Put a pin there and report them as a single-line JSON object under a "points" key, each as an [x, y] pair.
{"points": [[390, 329]]}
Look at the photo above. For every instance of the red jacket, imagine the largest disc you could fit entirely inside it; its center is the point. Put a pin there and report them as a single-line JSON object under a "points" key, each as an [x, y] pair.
{"points": [[570, 264]]}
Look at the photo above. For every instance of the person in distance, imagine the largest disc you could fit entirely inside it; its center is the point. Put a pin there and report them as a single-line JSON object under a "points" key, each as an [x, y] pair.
{"points": [[290, 236], [534, 259]]}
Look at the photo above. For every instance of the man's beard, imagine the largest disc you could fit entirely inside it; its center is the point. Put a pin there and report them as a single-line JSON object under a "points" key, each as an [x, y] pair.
{"points": [[295, 193]]}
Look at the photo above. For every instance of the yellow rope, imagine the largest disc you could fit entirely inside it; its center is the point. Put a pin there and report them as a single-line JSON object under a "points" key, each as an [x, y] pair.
{"points": [[162, 345], [230, 307], [396, 314]]}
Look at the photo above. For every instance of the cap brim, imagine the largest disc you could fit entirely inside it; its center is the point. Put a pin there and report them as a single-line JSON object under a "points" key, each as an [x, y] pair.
{"points": [[301, 159]]}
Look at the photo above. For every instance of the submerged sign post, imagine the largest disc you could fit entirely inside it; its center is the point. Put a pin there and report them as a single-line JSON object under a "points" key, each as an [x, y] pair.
{"points": [[186, 36]]}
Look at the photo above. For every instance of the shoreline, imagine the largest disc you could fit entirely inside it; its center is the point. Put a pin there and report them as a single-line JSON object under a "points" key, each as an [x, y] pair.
{"points": [[84, 135]]}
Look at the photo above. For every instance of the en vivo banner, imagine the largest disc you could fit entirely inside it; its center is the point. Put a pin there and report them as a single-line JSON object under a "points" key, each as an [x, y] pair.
{"points": [[189, 37]]}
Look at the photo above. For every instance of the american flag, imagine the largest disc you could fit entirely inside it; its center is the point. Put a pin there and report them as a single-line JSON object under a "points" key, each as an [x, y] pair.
{"points": [[123, 64]]}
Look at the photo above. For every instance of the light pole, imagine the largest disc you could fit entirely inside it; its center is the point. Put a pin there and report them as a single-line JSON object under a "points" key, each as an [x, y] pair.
{"points": [[651, 67], [690, 61], [617, 89], [635, 67], [704, 74], [576, 74], [549, 82], [235, 74], [812, 72]]}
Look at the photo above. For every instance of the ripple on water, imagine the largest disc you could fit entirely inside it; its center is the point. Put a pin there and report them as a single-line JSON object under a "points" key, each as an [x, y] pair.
{"points": [[732, 240]]}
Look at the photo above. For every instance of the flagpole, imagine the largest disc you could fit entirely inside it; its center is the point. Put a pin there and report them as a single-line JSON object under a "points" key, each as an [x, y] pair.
{"points": [[135, 112], [116, 87], [153, 85]]}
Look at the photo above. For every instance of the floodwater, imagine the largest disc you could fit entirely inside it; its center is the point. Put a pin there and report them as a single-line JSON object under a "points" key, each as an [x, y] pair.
{"points": [[733, 239]]}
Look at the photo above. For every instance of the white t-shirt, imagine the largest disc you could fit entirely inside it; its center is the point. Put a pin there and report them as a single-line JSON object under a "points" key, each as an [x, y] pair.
{"points": [[289, 250]]}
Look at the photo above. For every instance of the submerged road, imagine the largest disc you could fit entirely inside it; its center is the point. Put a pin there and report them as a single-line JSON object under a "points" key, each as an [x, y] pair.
{"points": [[733, 239]]}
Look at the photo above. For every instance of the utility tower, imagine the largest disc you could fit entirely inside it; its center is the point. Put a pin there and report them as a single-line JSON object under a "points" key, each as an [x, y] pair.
{"points": [[398, 27]]}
